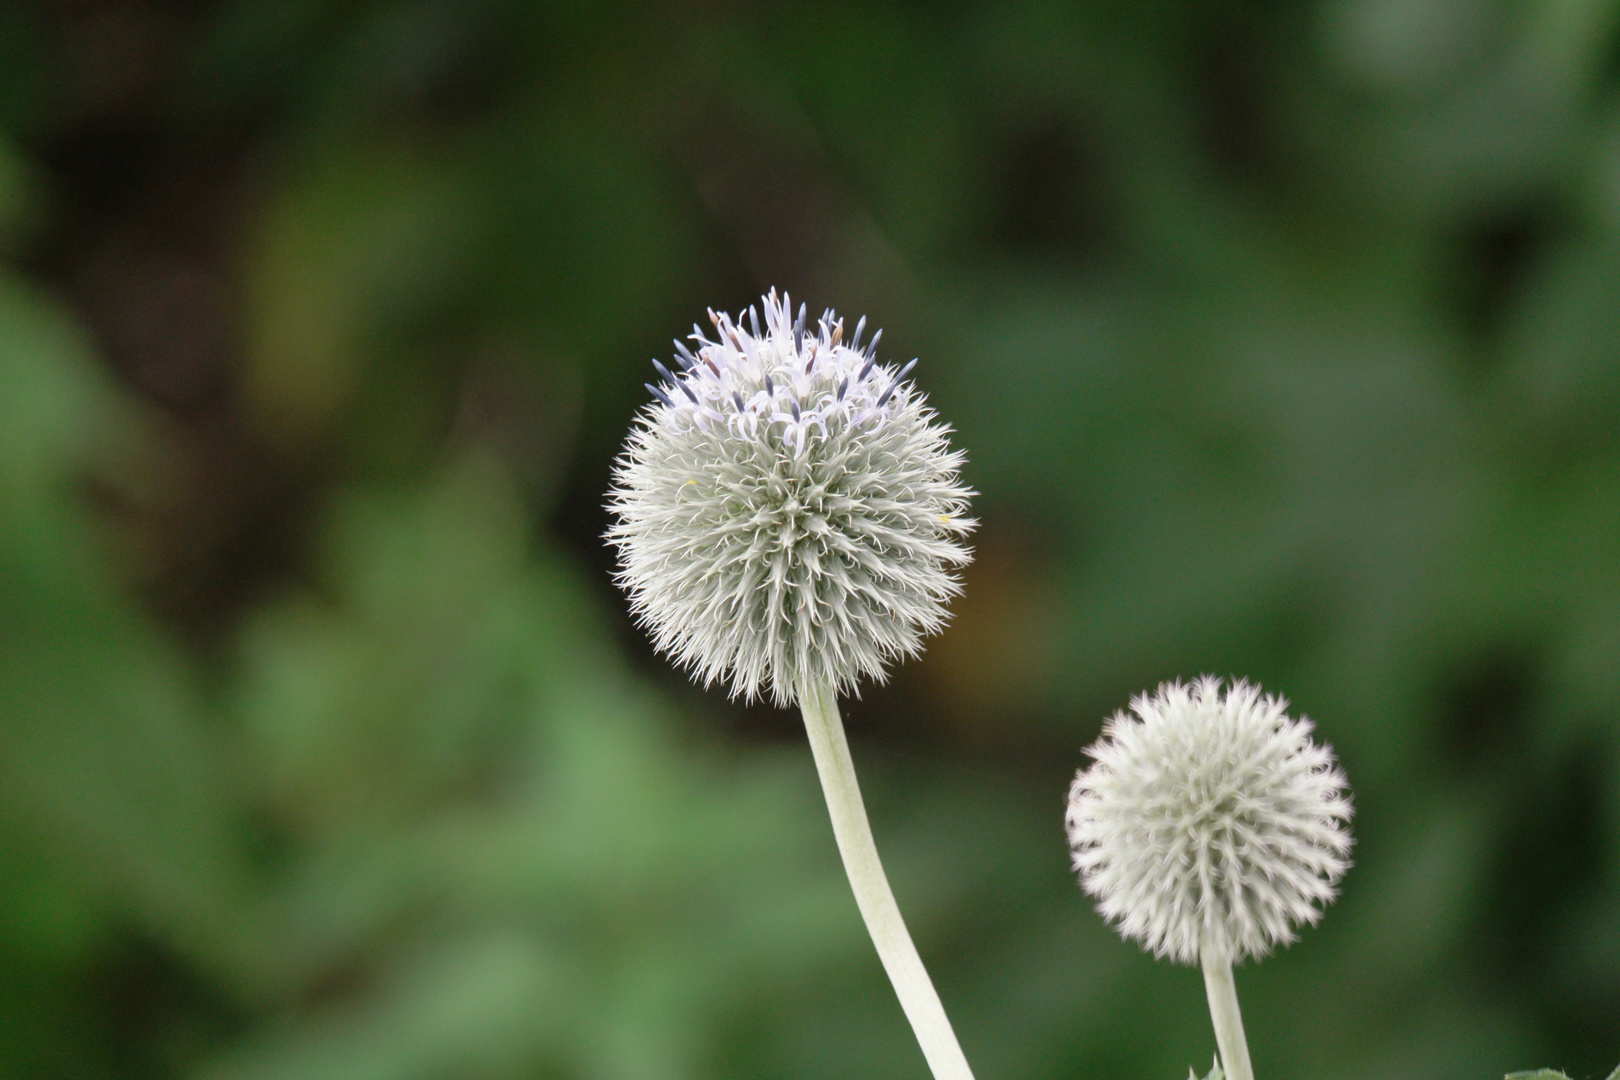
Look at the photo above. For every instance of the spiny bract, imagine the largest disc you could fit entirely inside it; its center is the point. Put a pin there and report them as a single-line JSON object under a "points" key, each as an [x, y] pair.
{"points": [[1209, 822], [789, 512]]}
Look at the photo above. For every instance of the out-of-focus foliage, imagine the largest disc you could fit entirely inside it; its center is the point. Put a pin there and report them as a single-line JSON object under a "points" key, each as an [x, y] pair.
{"points": [[1284, 340]]}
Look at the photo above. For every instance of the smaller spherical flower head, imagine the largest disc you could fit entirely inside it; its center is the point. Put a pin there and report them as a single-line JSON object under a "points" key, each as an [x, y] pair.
{"points": [[789, 510], [1209, 822]]}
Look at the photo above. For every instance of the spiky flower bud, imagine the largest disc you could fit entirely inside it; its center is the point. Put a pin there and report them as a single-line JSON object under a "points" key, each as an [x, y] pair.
{"points": [[1209, 823], [789, 511]]}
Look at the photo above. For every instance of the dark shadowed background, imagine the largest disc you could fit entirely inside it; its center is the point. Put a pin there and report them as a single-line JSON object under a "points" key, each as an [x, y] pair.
{"points": [[1283, 339]]}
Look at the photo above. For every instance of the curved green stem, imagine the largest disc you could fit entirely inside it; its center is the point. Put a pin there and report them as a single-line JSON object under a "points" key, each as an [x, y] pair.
{"points": [[871, 887], [1223, 1010]]}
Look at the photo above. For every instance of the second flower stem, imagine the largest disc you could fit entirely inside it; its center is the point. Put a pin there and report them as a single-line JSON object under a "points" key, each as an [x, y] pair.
{"points": [[872, 893], [1223, 1010]]}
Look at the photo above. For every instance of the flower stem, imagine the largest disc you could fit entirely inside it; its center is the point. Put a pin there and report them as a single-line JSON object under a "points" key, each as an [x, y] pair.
{"points": [[1223, 1010], [871, 887]]}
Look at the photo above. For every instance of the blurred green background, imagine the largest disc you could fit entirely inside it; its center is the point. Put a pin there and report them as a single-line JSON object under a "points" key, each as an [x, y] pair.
{"points": [[1284, 341]]}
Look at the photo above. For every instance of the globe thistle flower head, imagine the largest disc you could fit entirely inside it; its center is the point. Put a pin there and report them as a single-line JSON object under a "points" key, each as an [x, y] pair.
{"points": [[789, 511], [1209, 822]]}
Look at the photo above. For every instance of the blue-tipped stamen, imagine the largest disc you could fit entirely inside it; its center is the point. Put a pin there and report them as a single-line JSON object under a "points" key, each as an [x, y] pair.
{"points": [[684, 355], [659, 394], [895, 385], [667, 377], [871, 362], [871, 346], [860, 328], [842, 386]]}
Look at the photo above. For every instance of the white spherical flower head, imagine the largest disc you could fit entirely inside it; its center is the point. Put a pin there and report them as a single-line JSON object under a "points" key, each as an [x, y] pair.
{"points": [[1209, 823], [789, 510]]}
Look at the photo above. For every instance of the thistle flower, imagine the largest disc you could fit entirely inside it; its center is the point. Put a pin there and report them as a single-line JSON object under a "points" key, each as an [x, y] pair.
{"points": [[1209, 826], [789, 509], [789, 517]]}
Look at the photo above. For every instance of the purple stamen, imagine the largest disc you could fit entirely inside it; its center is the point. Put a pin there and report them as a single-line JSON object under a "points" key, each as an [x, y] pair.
{"points": [[895, 385]]}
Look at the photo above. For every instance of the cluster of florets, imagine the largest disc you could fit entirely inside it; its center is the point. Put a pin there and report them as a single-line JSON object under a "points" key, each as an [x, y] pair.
{"points": [[1209, 823], [781, 386], [789, 510]]}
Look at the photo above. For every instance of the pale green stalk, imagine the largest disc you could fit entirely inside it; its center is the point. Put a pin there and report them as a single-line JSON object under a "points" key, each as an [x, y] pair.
{"points": [[1223, 1010], [871, 887]]}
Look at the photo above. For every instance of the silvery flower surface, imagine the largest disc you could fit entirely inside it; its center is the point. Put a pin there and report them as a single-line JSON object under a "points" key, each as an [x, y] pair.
{"points": [[789, 511], [1209, 822]]}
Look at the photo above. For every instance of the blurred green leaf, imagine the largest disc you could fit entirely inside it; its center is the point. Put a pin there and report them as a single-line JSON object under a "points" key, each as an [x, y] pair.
{"points": [[350, 261], [102, 747]]}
